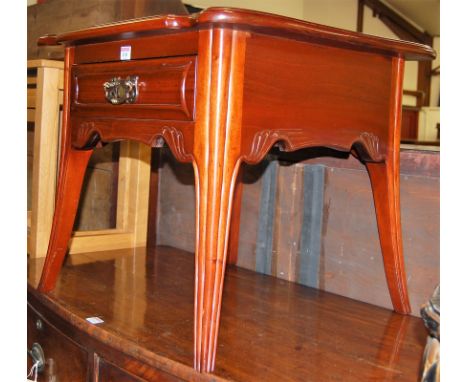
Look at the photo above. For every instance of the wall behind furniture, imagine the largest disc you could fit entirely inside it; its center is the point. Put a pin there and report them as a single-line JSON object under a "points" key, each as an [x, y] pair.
{"points": [[313, 222]]}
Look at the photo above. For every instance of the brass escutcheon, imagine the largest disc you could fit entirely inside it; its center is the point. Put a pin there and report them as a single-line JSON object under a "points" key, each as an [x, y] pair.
{"points": [[119, 91]]}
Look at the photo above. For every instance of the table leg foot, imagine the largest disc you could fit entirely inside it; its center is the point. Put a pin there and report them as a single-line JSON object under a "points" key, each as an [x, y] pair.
{"points": [[215, 191], [385, 180], [69, 184]]}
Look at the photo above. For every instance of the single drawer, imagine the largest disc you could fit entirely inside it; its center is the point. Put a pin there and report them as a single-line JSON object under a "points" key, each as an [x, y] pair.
{"points": [[65, 361], [142, 89], [108, 372]]}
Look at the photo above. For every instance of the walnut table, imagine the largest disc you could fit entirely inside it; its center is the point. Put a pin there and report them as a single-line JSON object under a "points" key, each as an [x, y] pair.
{"points": [[222, 88]]}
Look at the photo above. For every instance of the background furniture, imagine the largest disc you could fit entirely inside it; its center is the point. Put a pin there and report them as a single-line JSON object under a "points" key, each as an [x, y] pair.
{"points": [[45, 97]]}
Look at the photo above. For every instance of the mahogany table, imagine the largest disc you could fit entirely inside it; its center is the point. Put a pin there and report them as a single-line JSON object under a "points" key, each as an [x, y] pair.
{"points": [[221, 88]]}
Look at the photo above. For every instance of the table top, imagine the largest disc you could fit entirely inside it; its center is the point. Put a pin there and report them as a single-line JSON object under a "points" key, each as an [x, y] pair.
{"points": [[248, 20]]}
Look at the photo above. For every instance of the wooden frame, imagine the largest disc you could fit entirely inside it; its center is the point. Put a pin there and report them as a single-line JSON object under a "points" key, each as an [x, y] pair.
{"points": [[43, 104]]}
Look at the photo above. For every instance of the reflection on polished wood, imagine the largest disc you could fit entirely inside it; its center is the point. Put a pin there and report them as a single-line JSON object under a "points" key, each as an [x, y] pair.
{"points": [[272, 330]]}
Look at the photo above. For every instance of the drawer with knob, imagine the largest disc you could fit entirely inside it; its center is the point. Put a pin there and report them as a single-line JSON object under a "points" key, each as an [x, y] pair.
{"points": [[160, 89], [58, 357]]}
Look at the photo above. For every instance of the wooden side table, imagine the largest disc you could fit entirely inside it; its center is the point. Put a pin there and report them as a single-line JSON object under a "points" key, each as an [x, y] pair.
{"points": [[45, 97], [222, 88]]}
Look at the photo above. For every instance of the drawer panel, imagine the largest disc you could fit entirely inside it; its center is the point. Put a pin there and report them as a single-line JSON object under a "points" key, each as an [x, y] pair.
{"points": [[109, 372], [165, 89], [65, 360]]}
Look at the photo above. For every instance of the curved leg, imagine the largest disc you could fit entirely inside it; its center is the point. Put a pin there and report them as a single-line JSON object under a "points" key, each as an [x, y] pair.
{"points": [[69, 184], [385, 180]]}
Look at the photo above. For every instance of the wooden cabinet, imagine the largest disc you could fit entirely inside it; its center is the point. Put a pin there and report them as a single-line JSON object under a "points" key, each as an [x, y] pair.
{"points": [[72, 355]]}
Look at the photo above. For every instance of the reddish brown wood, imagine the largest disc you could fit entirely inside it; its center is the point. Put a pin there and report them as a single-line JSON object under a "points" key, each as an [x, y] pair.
{"points": [[65, 359], [385, 180], [108, 372], [271, 330], [177, 44], [217, 157], [165, 89], [249, 21], [260, 80]]}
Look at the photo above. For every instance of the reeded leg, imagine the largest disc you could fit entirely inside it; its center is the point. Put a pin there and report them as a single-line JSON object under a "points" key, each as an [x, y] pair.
{"points": [[385, 180], [215, 197], [69, 184], [216, 160]]}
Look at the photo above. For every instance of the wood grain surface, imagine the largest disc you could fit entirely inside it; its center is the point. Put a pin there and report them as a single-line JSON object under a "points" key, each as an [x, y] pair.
{"points": [[271, 329]]}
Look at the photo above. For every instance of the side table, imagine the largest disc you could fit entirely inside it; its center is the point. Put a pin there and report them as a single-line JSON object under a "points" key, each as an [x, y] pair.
{"points": [[221, 88]]}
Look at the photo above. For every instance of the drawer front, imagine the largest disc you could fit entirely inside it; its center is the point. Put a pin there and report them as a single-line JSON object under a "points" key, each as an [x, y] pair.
{"points": [[109, 372], [164, 89], [65, 361]]}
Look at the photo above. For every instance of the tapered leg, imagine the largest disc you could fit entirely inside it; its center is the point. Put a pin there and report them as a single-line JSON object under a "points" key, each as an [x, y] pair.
{"points": [[385, 180], [69, 184], [216, 159], [215, 197]]}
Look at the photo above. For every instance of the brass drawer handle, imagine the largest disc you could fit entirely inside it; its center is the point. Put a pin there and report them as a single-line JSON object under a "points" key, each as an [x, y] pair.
{"points": [[119, 91], [37, 355]]}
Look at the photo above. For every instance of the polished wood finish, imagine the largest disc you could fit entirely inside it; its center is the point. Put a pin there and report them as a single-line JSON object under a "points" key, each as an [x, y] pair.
{"points": [[261, 80], [165, 91], [385, 180], [65, 360], [271, 329], [109, 372]]}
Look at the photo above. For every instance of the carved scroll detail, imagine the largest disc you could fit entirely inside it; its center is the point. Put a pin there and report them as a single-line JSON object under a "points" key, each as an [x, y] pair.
{"points": [[265, 139], [175, 140], [368, 146], [86, 136]]}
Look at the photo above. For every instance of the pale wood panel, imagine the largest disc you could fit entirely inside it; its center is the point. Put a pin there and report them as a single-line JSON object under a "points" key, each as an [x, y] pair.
{"points": [[42, 63], [101, 241], [46, 134], [32, 98], [31, 115], [133, 191]]}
